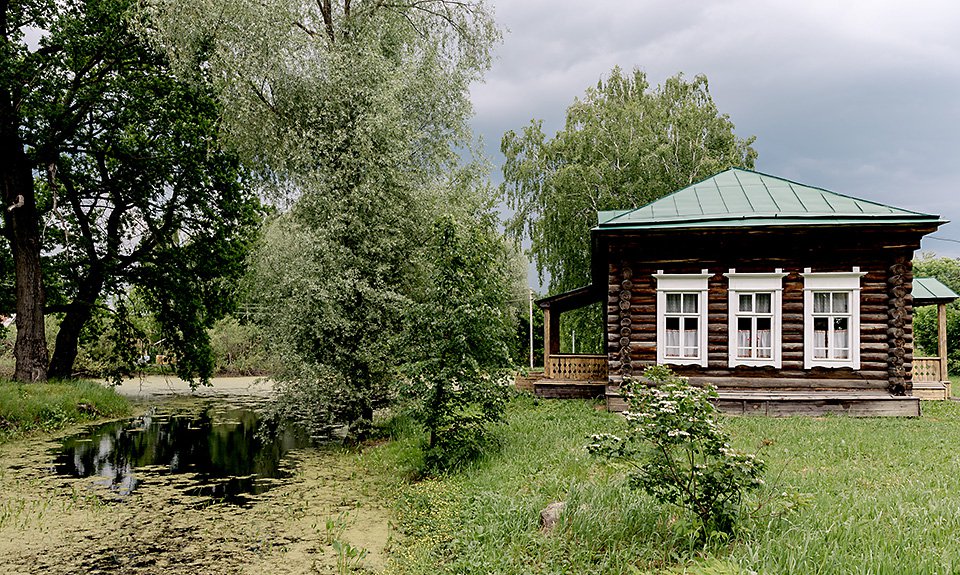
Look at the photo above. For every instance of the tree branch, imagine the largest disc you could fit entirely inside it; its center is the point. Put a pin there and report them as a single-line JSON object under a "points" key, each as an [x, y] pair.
{"points": [[326, 10]]}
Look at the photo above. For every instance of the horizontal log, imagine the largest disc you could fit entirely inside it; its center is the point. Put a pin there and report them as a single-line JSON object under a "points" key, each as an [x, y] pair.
{"points": [[726, 382], [872, 346]]}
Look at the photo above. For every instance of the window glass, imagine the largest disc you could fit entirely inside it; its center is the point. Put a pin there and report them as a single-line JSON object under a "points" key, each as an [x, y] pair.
{"points": [[821, 302], [763, 302], [673, 302], [840, 302], [746, 302], [764, 337], [820, 332], [690, 303], [691, 341], [744, 336]]}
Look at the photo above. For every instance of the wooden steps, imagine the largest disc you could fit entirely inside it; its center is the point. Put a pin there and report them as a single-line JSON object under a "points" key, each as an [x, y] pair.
{"points": [[932, 390], [785, 403]]}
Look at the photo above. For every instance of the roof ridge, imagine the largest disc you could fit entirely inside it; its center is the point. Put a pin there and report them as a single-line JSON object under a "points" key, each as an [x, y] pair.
{"points": [[746, 196], [674, 193]]}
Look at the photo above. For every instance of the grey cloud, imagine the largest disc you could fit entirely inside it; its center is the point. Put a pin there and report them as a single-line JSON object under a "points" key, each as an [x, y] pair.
{"points": [[856, 97]]}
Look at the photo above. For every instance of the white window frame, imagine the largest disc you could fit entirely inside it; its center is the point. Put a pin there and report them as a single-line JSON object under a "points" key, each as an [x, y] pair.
{"points": [[685, 283], [740, 283], [831, 282]]}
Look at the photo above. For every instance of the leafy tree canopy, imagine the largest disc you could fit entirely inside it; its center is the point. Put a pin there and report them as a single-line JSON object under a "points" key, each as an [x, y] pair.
{"points": [[355, 110], [129, 185], [313, 88]]}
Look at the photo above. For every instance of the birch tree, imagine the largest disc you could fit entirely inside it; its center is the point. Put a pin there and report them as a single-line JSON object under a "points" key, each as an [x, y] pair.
{"points": [[625, 144]]}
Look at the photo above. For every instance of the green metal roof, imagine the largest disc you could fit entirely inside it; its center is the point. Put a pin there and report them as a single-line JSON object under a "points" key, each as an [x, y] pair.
{"points": [[738, 197], [929, 291]]}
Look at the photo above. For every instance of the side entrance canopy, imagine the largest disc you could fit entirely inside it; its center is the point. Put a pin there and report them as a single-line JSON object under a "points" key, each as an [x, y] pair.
{"points": [[929, 291]]}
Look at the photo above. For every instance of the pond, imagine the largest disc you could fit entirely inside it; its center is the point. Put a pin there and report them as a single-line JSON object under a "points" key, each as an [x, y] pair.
{"points": [[219, 452]]}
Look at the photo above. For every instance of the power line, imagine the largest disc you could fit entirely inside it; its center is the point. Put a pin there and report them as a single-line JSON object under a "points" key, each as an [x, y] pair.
{"points": [[944, 239]]}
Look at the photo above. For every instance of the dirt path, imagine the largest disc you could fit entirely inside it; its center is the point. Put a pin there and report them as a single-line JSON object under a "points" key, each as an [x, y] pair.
{"points": [[53, 524], [153, 387]]}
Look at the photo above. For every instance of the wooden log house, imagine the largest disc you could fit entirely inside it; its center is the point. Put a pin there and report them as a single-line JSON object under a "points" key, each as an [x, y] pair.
{"points": [[786, 297]]}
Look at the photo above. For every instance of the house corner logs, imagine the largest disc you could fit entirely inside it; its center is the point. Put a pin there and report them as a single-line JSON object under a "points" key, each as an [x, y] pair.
{"points": [[899, 329], [625, 320]]}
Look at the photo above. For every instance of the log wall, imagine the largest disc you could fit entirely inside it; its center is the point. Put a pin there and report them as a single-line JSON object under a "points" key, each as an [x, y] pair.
{"points": [[886, 338]]}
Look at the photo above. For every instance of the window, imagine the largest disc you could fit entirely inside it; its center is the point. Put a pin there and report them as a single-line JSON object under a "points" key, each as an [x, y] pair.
{"points": [[831, 325], [682, 324], [682, 318], [831, 319], [755, 301]]}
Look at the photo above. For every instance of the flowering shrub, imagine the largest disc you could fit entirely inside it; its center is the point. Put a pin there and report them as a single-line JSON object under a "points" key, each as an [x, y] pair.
{"points": [[681, 454]]}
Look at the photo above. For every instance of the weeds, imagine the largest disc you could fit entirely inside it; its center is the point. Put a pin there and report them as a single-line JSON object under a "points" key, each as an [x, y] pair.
{"points": [[348, 556], [33, 407], [862, 496]]}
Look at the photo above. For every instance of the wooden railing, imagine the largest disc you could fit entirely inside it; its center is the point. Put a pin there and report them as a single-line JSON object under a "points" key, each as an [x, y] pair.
{"points": [[926, 369], [579, 367]]}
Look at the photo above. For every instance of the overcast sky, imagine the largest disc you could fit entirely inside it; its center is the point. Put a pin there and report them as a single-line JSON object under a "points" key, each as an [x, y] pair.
{"points": [[858, 97]]}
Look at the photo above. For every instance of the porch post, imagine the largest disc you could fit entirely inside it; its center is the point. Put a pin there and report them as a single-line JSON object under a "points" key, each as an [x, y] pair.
{"points": [[551, 339], [942, 340], [547, 321]]}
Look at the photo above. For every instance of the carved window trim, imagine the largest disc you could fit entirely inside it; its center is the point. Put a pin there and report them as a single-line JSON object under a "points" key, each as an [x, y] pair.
{"points": [[755, 283], [831, 282], [690, 284]]}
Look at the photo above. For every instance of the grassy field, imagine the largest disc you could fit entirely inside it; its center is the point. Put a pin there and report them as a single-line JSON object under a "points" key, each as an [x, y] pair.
{"points": [[25, 408], [879, 496]]}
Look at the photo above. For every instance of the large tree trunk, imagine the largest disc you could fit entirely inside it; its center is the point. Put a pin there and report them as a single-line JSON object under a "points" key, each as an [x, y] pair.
{"points": [[77, 316], [21, 226]]}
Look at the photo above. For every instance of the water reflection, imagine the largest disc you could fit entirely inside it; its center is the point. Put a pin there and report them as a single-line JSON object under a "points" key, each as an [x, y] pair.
{"points": [[220, 449]]}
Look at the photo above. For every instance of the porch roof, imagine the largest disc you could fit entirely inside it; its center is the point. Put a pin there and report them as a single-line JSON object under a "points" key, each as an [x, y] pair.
{"points": [[744, 198], [930, 291], [573, 299]]}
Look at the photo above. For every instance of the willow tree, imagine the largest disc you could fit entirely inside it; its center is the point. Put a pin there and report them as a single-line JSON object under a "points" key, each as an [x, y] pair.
{"points": [[624, 145], [353, 111]]}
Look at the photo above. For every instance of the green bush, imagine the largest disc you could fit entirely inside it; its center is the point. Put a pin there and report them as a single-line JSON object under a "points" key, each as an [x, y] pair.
{"points": [[682, 455], [462, 329], [238, 348]]}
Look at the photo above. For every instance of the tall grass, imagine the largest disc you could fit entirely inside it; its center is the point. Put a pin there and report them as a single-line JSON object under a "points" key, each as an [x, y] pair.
{"points": [[883, 496], [26, 408]]}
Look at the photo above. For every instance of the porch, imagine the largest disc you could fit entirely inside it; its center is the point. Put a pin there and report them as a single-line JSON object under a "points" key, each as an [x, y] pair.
{"points": [[572, 376], [930, 377]]}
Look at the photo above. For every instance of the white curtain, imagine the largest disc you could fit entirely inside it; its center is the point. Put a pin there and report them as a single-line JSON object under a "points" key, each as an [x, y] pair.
{"points": [[820, 343], [841, 343], [673, 342], [743, 343], [764, 342], [690, 339]]}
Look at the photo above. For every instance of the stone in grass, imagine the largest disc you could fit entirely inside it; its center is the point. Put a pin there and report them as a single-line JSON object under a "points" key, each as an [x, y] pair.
{"points": [[551, 514]]}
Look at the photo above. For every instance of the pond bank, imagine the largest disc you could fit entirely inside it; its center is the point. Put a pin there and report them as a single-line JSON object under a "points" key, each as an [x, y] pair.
{"points": [[57, 524], [151, 387]]}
